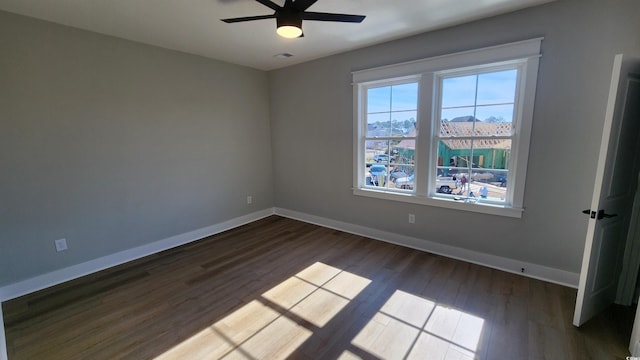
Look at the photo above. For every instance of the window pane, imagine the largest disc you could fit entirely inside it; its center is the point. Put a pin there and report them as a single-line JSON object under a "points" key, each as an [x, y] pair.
{"points": [[489, 185], [455, 128], [491, 103], [492, 153], [497, 87], [377, 175], [402, 123], [388, 161], [404, 151], [487, 153], [378, 124], [454, 159], [459, 91], [379, 99], [404, 97], [474, 169], [499, 178], [377, 160], [392, 110], [377, 151], [461, 114], [477, 187], [401, 177], [495, 113], [455, 153]]}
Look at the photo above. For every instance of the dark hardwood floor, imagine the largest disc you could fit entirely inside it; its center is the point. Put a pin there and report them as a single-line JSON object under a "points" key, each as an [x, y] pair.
{"points": [[279, 288]]}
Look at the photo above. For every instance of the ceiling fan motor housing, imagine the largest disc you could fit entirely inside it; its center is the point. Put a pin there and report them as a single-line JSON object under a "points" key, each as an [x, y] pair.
{"points": [[289, 17]]}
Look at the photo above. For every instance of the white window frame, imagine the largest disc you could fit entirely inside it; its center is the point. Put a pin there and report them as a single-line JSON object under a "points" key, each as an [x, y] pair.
{"points": [[363, 92], [524, 55]]}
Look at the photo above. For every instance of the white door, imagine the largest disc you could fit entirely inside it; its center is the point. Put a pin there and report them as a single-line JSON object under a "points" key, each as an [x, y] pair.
{"points": [[612, 200]]}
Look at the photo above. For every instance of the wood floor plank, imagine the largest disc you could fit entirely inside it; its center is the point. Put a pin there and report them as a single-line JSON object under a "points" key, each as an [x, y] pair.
{"points": [[279, 288]]}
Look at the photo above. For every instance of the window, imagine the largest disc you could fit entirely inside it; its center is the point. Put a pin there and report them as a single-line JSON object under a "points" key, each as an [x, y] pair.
{"points": [[390, 135], [450, 131], [475, 123]]}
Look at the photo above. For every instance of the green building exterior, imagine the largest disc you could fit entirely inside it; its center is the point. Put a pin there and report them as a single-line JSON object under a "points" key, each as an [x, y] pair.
{"points": [[484, 158], [481, 153]]}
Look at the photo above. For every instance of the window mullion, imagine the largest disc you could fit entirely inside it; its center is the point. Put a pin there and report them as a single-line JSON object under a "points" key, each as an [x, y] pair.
{"points": [[359, 134], [426, 118]]}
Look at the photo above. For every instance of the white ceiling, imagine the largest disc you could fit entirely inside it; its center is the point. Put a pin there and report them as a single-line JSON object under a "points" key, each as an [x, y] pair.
{"points": [[194, 26]]}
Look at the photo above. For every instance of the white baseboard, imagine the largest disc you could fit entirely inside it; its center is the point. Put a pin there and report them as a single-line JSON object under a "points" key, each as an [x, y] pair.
{"points": [[510, 265], [73, 272], [535, 271], [40, 282]]}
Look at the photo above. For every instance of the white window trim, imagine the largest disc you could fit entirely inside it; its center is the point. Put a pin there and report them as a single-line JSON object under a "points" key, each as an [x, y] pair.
{"points": [[526, 52]]}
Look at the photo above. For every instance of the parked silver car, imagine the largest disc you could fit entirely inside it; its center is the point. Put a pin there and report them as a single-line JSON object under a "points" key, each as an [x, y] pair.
{"points": [[383, 158], [444, 185]]}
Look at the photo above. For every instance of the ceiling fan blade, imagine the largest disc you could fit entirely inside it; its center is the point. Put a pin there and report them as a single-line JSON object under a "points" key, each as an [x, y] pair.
{"points": [[248, 18], [303, 5], [317, 16], [270, 4]]}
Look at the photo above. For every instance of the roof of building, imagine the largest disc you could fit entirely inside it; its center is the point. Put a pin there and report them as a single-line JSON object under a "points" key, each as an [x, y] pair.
{"points": [[463, 128]]}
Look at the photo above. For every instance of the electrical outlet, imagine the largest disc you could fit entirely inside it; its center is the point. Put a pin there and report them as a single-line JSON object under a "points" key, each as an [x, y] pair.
{"points": [[61, 245], [249, 199], [412, 218]]}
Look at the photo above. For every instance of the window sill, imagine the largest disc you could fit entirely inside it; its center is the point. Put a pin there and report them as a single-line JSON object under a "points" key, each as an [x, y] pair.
{"points": [[478, 207]]}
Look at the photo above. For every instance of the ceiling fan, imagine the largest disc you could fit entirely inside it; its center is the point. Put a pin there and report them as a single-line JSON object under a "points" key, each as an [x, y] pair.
{"points": [[289, 16]]}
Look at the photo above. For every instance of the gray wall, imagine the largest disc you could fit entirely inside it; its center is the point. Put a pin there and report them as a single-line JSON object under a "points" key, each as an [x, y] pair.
{"points": [[113, 144], [312, 131]]}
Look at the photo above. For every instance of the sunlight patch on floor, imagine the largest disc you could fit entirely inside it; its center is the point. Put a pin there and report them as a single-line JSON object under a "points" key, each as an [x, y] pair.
{"points": [[317, 293], [348, 355], [409, 326], [223, 336], [268, 326], [278, 340], [320, 307], [289, 292]]}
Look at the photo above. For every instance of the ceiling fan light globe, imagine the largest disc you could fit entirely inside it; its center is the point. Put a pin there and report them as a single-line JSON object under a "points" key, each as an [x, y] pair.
{"points": [[289, 31]]}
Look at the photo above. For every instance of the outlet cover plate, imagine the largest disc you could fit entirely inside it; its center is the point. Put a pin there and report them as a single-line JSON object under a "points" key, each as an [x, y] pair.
{"points": [[61, 245]]}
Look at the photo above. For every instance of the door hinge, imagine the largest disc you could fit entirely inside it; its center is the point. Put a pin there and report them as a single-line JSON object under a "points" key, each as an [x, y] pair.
{"points": [[592, 214]]}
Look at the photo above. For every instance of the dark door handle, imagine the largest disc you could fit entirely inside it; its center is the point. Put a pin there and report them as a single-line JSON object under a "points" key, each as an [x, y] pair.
{"points": [[602, 214]]}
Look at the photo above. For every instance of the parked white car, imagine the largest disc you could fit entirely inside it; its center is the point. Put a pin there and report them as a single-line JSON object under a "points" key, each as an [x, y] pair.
{"points": [[383, 158], [444, 185], [405, 182]]}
